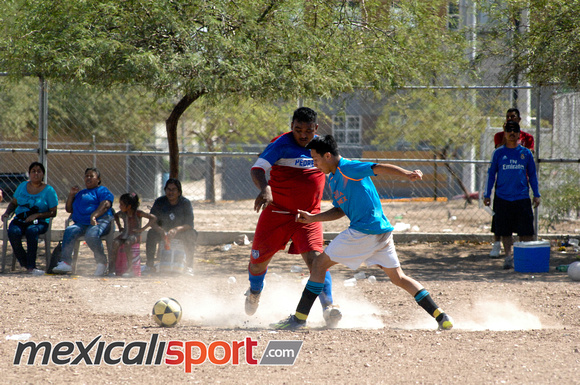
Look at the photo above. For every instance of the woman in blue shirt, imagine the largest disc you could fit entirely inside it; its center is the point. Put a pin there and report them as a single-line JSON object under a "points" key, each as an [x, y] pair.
{"points": [[33, 203], [92, 216]]}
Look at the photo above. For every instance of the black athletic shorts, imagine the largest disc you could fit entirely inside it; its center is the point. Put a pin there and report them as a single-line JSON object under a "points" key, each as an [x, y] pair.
{"points": [[513, 217]]}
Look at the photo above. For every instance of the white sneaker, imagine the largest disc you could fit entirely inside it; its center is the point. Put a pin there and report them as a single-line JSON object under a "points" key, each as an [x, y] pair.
{"points": [[332, 315], [495, 250], [62, 268], [101, 269]]}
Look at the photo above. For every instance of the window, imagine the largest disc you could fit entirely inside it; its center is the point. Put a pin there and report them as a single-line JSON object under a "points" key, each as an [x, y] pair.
{"points": [[347, 129], [453, 16]]}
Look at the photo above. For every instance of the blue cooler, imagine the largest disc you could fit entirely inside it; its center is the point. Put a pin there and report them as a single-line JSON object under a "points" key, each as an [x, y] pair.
{"points": [[532, 257]]}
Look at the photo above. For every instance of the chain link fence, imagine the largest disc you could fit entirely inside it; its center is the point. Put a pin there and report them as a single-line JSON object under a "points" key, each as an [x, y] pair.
{"points": [[447, 132]]}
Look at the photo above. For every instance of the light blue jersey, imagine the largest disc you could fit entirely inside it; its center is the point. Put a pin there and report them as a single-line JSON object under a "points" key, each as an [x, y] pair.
{"points": [[355, 193]]}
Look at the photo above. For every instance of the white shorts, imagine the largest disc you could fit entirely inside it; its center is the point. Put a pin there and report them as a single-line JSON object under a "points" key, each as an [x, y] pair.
{"points": [[351, 248]]}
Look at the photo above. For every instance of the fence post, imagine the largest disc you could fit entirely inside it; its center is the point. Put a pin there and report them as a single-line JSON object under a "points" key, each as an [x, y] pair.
{"points": [[538, 142], [43, 124]]}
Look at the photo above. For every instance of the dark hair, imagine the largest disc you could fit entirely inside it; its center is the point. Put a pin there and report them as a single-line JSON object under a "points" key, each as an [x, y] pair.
{"points": [[305, 115], [513, 125], [131, 200], [174, 181], [514, 110], [96, 171], [322, 145], [34, 164]]}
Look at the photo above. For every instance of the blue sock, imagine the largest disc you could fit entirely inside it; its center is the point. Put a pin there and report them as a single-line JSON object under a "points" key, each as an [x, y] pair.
{"points": [[326, 295], [257, 281]]}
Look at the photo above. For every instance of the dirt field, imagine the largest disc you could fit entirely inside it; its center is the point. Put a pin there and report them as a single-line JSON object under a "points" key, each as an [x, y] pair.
{"points": [[511, 328]]}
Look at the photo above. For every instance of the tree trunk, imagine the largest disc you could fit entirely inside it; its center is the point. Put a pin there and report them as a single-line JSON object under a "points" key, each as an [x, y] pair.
{"points": [[171, 128], [442, 155], [210, 180]]}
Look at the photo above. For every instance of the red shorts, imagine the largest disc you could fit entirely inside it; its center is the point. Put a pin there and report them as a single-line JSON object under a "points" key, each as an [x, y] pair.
{"points": [[274, 230]]}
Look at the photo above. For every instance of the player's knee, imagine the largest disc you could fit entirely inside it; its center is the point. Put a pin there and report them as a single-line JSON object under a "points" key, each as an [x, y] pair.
{"points": [[321, 262], [258, 268]]}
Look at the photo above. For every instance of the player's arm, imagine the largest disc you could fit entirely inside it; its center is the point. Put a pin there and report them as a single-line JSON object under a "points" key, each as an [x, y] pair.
{"points": [[264, 198], [392, 170], [329, 215]]}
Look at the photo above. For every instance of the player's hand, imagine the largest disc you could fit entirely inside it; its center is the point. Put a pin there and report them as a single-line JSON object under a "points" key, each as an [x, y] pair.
{"points": [[74, 190], [415, 175], [263, 199], [304, 217], [536, 202], [487, 201]]}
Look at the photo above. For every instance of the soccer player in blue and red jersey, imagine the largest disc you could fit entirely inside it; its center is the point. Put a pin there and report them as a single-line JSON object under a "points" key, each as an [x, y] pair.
{"points": [[369, 237], [295, 184]]}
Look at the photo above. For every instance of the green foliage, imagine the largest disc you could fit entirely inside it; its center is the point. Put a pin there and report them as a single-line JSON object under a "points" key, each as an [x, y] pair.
{"points": [[435, 118], [560, 194], [545, 45], [234, 121], [262, 48], [121, 114]]}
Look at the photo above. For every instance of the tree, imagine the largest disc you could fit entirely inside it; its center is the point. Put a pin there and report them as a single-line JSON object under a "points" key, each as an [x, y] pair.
{"points": [[230, 122], [125, 114], [445, 122], [542, 39], [263, 49]]}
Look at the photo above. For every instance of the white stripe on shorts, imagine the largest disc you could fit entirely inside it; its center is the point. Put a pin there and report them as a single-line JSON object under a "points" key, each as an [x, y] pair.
{"points": [[351, 248]]}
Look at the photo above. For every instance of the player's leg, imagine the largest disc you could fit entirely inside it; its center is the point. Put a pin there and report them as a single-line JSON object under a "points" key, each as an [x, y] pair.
{"points": [[385, 255], [272, 233], [313, 288], [504, 217], [308, 240], [496, 248], [525, 220], [421, 295], [330, 311]]}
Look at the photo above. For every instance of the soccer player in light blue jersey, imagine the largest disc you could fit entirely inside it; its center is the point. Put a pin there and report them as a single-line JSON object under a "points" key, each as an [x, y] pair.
{"points": [[369, 237]]}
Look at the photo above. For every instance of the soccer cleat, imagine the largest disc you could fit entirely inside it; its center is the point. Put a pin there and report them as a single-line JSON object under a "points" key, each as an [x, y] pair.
{"points": [[332, 315], [101, 269], [290, 323], [62, 268], [252, 302], [445, 323], [495, 250], [509, 262]]}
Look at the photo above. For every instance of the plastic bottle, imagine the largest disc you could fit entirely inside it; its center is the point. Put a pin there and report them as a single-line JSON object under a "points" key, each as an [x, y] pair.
{"points": [[360, 275], [166, 241], [350, 282], [296, 269], [562, 268]]}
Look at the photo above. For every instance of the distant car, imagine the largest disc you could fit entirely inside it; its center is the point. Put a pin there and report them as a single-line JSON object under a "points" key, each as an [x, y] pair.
{"points": [[9, 181]]}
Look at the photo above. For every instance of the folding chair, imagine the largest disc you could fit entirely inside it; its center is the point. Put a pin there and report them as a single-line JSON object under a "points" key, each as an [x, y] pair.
{"points": [[47, 237], [108, 238]]}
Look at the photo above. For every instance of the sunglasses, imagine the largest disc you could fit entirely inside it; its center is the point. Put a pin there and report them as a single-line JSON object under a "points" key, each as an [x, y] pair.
{"points": [[511, 129]]}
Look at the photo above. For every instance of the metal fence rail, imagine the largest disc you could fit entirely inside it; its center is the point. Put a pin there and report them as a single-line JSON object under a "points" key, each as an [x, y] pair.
{"points": [[446, 131]]}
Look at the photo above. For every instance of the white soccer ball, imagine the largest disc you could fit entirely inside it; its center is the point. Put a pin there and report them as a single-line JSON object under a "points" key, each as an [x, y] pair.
{"points": [[574, 271], [166, 312]]}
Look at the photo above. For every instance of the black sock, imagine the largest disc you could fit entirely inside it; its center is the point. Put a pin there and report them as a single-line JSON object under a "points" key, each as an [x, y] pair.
{"points": [[424, 300], [309, 295]]}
